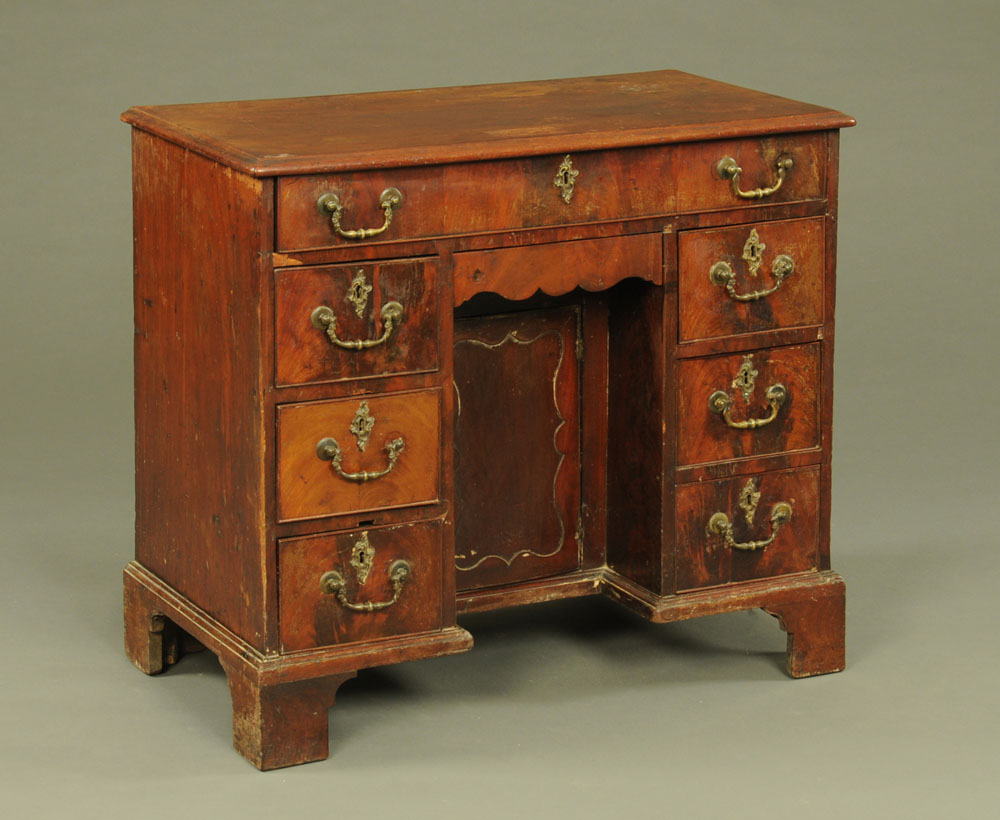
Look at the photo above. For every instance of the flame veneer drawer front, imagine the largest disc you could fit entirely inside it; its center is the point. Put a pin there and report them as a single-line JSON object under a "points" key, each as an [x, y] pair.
{"points": [[330, 210], [359, 585], [751, 278], [744, 528], [350, 455], [752, 404], [476, 197], [353, 321]]}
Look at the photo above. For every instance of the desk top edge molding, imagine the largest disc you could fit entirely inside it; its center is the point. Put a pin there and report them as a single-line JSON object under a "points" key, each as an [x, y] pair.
{"points": [[325, 134]]}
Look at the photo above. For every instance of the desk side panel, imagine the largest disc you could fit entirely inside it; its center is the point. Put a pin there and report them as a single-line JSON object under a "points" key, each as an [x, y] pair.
{"points": [[826, 428], [200, 229]]}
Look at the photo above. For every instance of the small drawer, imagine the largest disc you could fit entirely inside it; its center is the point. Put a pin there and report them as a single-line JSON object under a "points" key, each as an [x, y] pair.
{"points": [[762, 162], [751, 278], [744, 528], [355, 321], [352, 455], [748, 405], [360, 585], [556, 268]]}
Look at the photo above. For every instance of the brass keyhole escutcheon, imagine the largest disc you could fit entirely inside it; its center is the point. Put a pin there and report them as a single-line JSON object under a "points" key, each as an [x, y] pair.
{"points": [[565, 179]]}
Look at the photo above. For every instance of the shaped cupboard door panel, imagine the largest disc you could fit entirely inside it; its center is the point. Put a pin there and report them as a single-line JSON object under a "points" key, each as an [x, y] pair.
{"points": [[517, 447]]}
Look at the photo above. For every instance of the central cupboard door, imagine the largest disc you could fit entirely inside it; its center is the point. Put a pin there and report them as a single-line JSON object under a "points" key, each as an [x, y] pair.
{"points": [[517, 446]]}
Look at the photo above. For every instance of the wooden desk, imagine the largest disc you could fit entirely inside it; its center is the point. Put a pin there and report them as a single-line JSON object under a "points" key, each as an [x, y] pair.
{"points": [[405, 355]]}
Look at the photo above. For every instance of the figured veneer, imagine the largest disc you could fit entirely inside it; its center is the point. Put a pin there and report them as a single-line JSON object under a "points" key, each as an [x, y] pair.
{"points": [[703, 557], [310, 486], [707, 309], [304, 352], [558, 268], [408, 353], [441, 200], [311, 613], [704, 434]]}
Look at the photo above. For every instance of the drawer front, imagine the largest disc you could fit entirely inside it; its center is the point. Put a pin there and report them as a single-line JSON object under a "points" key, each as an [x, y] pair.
{"points": [[500, 195], [359, 585], [748, 404], [476, 197], [354, 321], [751, 278], [725, 528], [700, 187], [351, 455], [556, 268]]}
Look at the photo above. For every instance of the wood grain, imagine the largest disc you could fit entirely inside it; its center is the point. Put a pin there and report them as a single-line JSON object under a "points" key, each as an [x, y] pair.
{"points": [[199, 382], [519, 193], [430, 126], [459, 243], [809, 606], [281, 724], [588, 446], [594, 378], [699, 188], [309, 617], [707, 310], [517, 447], [309, 487], [477, 197], [304, 354], [704, 436], [637, 438], [816, 630], [704, 560], [556, 269], [279, 700]]}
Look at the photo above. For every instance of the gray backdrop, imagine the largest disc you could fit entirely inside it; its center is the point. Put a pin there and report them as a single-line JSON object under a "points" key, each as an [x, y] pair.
{"points": [[569, 710]]}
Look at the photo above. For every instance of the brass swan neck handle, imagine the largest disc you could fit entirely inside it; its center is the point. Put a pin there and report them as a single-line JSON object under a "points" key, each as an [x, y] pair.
{"points": [[719, 524], [722, 403], [323, 318], [329, 450], [728, 168], [722, 274], [330, 205], [333, 583]]}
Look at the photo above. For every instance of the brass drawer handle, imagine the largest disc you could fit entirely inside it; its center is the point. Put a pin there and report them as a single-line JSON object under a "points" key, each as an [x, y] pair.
{"points": [[722, 274], [330, 204], [323, 318], [728, 168], [333, 583], [722, 403], [329, 450], [719, 524]]}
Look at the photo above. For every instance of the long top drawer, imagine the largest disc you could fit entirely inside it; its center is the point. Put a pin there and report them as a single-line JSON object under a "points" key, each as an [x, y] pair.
{"points": [[323, 210]]}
